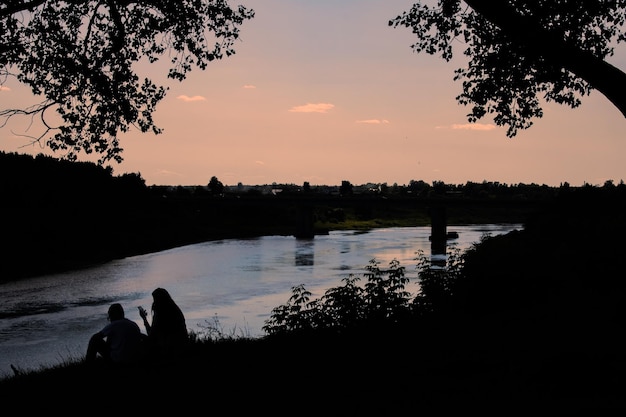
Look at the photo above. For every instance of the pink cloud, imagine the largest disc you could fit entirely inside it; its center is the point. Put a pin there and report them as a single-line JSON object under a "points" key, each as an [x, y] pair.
{"points": [[473, 126], [193, 98], [373, 121], [312, 108]]}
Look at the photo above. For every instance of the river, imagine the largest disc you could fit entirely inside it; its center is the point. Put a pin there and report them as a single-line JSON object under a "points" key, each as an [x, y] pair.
{"points": [[231, 284]]}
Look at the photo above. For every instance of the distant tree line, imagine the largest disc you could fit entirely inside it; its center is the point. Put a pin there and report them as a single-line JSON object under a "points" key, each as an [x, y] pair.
{"points": [[59, 215]]}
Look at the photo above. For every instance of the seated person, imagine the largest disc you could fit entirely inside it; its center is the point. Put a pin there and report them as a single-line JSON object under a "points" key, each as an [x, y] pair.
{"points": [[167, 335], [119, 342]]}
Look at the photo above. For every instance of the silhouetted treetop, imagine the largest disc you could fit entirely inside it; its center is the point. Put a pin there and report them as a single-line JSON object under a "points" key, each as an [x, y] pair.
{"points": [[215, 186], [79, 58], [523, 51]]}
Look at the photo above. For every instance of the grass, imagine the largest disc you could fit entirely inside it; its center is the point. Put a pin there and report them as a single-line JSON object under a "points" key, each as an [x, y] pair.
{"points": [[443, 367], [314, 374]]}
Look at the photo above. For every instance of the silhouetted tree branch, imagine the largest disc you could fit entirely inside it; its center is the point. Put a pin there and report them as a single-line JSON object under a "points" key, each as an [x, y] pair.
{"points": [[521, 51], [80, 57]]}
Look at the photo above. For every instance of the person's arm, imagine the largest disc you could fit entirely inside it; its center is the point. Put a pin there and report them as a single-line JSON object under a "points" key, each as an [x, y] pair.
{"points": [[144, 315], [96, 344]]}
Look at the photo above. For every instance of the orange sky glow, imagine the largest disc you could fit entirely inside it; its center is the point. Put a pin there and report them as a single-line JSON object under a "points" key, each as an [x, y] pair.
{"points": [[325, 91]]}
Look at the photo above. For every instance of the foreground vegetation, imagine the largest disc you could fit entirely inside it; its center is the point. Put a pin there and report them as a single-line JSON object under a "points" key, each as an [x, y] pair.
{"points": [[528, 323]]}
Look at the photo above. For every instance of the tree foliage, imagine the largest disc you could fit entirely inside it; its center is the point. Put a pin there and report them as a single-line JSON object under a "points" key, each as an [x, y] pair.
{"points": [[80, 58], [523, 51], [215, 186]]}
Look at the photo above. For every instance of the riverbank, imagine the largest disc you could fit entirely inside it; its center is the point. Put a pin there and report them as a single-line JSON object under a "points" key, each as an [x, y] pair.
{"points": [[153, 224], [63, 215], [532, 334], [450, 368]]}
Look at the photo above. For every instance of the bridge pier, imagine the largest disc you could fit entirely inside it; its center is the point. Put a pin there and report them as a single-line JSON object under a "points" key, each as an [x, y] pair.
{"points": [[304, 222], [438, 235]]}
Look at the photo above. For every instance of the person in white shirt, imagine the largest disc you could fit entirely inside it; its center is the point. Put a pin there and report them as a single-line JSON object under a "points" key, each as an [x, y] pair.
{"points": [[119, 342]]}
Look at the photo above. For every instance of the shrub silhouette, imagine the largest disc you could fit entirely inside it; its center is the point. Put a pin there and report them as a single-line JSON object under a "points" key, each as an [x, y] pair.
{"points": [[382, 299], [439, 285]]}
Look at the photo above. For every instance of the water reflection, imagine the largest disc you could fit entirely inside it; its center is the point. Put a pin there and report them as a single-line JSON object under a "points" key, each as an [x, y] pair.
{"points": [[304, 252]]}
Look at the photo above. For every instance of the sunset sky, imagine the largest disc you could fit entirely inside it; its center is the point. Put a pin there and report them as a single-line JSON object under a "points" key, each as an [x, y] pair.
{"points": [[324, 91]]}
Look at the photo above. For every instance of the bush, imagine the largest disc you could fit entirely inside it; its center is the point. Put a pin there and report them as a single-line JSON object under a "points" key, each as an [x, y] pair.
{"points": [[383, 298]]}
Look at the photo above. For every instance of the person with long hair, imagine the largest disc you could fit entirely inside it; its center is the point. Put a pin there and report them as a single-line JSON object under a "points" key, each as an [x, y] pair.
{"points": [[167, 334]]}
